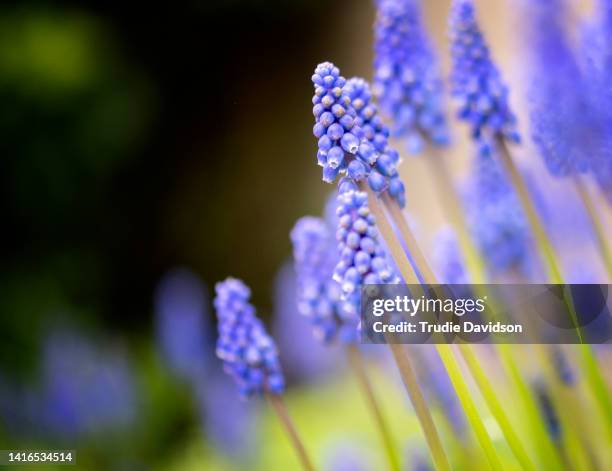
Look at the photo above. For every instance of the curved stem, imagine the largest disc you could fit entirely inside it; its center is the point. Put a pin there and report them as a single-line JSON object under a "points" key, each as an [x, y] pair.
{"points": [[279, 407], [413, 247], [357, 363]]}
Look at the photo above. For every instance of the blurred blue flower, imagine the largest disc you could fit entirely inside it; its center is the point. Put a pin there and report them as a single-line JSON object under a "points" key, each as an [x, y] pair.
{"points": [[477, 85], [406, 77], [345, 456], [562, 124], [249, 354], [228, 420], [447, 258], [181, 315], [562, 365], [597, 50], [85, 389], [319, 295], [547, 411], [303, 357], [496, 217], [363, 260]]}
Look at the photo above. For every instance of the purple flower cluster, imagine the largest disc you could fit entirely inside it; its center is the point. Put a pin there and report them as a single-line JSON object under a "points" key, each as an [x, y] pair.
{"points": [[383, 174], [477, 84], [352, 138], [362, 258], [248, 352], [406, 76], [319, 296]]}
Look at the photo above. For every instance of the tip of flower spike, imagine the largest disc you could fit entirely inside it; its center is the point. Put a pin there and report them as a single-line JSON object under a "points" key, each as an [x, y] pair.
{"points": [[232, 286]]}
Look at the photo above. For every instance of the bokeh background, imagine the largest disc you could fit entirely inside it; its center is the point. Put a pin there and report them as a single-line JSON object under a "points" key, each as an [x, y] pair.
{"points": [[147, 153]]}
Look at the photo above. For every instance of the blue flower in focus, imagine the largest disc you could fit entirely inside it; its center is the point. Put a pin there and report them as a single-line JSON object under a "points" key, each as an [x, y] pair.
{"points": [[249, 354], [383, 175], [85, 390], [335, 127], [319, 295], [562, 125], [344, 146], [363, 260], [477, 85], [406, 76], [496, 217], [181, 323]]}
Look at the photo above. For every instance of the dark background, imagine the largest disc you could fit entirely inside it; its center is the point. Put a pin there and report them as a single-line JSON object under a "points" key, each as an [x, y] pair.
{"points": [[138, 139]]}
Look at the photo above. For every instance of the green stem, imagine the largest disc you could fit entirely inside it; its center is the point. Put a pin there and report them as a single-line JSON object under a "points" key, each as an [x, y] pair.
{"points": [[469, 407], [420, 407], [386, 230], [495, 407], [357, 363], [278, 405], [593, 374], [548, 452]]}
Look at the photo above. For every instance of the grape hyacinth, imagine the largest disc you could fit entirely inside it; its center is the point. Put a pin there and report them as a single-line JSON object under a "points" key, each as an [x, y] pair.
{"points": [[477, 84], [557, 96], [384, 174], [319, 295], [362, 258], [304, 357], [249, 354], [351, 141], [598, 52], [181, 323], [447, 258], [406, 76], [498, 222]]}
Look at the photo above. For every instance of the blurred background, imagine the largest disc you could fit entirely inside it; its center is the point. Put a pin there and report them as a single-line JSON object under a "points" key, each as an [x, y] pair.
{"points": [[148, 153]]}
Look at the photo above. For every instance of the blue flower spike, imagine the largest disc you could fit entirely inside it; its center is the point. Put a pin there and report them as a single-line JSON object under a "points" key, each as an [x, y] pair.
{"points": [[352, 139], [319, 295], [362, 258], [477, 85], [407, 79], [249, 354]]}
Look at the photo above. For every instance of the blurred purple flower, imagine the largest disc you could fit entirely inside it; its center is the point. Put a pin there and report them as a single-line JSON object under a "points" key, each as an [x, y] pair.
{"points": [[477, 85], [85, 389], [228, 420], [406, 76], [447, 258], [181, 312], [344, 456], [562, 125], [302, 356]]}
